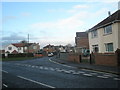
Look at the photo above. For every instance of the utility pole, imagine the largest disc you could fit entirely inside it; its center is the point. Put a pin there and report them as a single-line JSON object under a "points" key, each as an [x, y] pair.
{"points": [[28, 43]]}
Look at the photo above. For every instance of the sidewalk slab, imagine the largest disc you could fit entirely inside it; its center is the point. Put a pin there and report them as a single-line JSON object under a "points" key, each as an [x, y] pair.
{"points": [[107, 69]]}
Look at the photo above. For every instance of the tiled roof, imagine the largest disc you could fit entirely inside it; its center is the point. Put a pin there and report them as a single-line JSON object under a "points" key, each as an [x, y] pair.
{"points": [[21, 44], [115, 17]]}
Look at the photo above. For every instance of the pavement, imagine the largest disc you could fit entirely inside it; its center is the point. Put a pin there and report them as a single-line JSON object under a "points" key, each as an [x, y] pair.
{"points": [[100, 68]]}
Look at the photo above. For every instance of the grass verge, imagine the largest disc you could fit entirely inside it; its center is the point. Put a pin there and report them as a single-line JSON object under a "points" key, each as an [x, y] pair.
{"points": [[18, 58]]}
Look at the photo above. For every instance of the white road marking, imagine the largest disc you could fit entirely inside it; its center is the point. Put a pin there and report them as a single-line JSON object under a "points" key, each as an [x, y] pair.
{"points": [[4, 71], [33, 66], [52, 69], [45, 68], [5, 85], [116, 78], [80, 72], [36, 82], [107, 75], [41, 67], [75, 73], [61, 64], [102, 77], [87, 74], [67, 71], [93, 73]]}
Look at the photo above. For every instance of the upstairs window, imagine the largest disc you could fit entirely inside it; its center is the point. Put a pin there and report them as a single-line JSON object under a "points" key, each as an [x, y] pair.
{"points": [[9, 48], [108, 29], [109, 47], [94, 33]]}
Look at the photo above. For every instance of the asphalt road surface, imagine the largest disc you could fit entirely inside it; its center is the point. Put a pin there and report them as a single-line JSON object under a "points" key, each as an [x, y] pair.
{"points": [[45, 73]]}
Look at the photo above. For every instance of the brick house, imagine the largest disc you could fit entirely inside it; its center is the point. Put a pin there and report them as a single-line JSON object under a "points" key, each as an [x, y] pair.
{"points": [[81, 41], [105, 36], [22, 48], [49, 48]]}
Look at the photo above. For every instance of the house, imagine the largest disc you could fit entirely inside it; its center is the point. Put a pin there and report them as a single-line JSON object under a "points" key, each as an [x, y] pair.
{"points": [[15, 48], [105, 36], [81, 41], [49, 48]]}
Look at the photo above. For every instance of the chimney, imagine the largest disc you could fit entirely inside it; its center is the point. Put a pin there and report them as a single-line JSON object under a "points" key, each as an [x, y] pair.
{"points": [[119, 5], [109, 13]]}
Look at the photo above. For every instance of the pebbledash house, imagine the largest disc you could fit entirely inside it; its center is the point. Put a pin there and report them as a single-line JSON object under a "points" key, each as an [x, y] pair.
{"points": [[15, 48], [105, 36]]}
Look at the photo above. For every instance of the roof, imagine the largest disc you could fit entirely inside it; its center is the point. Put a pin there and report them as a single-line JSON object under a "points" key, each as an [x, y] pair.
{"points": [[49, 46], [81, 34], [115, 17], [21, 44]]}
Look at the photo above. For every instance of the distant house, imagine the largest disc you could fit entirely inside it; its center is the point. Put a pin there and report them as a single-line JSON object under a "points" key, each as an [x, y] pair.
{"points": [[81, 41], [22, 48], [105, 36], [49, 48]]}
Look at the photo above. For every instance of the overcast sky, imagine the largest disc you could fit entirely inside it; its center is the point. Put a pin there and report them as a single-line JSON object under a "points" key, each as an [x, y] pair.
{"points": [[51, 22]]}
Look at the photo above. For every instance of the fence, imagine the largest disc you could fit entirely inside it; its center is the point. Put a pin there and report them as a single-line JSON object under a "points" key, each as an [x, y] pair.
{"points": [[107, 59]]}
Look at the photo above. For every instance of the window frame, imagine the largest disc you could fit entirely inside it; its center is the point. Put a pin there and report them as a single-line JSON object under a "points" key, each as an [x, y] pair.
{"points": [[94, 34], [108, 49], [108, 29], [9, 48]]}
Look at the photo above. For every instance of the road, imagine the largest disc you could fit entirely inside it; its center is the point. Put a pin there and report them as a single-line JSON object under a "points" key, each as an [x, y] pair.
{"points": [[45, 73]]}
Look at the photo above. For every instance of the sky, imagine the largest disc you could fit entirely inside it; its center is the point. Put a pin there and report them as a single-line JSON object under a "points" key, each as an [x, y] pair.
{"points": [[50, 22]]}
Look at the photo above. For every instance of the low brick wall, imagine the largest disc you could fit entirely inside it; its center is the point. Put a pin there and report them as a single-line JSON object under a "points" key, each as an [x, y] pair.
{"points": [[107, 59], [74, 57]]}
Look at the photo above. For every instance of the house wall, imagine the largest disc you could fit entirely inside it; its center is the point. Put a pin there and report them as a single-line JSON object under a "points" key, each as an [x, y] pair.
{"points": [[82, 42], [13, 48], [102, 39], [119, 35]]}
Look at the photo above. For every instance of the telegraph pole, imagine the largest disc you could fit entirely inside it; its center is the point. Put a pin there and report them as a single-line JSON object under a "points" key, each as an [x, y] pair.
{"points": [[28, 43]]}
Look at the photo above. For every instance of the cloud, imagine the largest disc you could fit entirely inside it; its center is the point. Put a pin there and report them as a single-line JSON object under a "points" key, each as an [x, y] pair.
{"points": [[25, 14], [13, 36], [8, 18]]}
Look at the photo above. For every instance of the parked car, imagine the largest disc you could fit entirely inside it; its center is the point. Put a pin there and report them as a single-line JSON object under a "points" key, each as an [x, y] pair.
{"points": [[50, 54]]}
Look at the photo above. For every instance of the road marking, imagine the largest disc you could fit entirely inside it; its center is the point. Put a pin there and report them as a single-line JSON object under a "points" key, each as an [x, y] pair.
{"points": [[75, 73], [41, 67], [61, 64], [4, 71], [87, 74], [33, 66], [67, 71], [45, 68], [36, 82], [5, 85], [52, 69], [80, 72], [116, 78], [93, 73], [107, 75], [102, 77]]}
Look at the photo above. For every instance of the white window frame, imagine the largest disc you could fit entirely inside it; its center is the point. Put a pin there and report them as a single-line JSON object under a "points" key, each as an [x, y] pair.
{"points": [[107, 48], [94, 33], [108, 30], [9, 48], [95, 46]]}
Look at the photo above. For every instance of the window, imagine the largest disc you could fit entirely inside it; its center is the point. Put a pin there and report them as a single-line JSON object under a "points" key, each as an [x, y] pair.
{"points": [[9, 48], [109, 47], [34, 47], [94, 33], [95, 48], [19, 48], [108, 29]]}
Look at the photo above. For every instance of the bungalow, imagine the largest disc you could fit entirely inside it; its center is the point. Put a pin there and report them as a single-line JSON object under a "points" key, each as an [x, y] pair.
{"points": [[105, 36], [22, 48]]}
